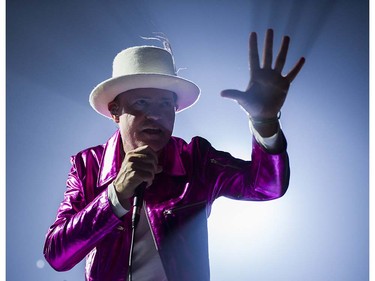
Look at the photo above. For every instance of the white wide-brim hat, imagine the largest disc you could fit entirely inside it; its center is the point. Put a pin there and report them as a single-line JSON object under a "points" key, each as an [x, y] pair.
{"points": [[143, 67]]}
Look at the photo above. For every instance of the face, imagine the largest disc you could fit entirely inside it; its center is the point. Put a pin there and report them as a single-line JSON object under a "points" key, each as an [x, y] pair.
{"points": [[146, 117]]}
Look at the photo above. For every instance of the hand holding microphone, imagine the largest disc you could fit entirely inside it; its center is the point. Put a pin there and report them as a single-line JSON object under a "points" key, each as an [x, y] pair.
{"points": [[137, 171]]}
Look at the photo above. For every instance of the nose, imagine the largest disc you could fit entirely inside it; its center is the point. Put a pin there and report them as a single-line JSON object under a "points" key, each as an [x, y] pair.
{"points": [[153, 113]]}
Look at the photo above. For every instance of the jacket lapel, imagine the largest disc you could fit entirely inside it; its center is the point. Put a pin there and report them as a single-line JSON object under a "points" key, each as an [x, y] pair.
{"points": [[111, 160]]}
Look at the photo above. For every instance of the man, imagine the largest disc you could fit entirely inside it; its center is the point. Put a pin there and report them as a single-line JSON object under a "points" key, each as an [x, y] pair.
{"points": [[182, 179]]}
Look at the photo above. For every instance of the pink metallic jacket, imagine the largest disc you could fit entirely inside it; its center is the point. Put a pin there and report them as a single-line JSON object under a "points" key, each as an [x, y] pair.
{"points": [[177, 205]]}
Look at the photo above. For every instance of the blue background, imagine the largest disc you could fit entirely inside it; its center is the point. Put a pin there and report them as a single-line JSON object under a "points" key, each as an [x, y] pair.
{"points": [[57, 51]]}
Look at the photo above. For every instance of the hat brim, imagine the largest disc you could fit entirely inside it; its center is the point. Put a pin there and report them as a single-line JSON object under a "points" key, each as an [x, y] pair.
{"points": [[187, 92]]}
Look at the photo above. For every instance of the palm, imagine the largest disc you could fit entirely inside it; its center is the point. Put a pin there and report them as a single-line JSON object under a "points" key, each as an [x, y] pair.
{"points": [[265, 94], [267, 89]]}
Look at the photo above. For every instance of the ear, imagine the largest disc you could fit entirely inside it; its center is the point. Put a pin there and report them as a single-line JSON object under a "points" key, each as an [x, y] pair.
{"points": [[114, 109]]}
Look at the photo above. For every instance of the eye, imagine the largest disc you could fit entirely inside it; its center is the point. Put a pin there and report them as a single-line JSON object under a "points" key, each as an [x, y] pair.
{"points": [[140, 103], [168, 104]]}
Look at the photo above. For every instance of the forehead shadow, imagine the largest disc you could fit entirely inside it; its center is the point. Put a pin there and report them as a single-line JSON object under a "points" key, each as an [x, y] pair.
{"points": [[147, 93]]}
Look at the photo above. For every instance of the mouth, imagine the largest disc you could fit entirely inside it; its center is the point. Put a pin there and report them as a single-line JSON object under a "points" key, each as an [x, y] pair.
{"points": [[152, 131]]}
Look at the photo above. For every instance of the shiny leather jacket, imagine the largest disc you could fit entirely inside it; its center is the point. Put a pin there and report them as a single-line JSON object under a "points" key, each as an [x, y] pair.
{"points": [[177, 206]]}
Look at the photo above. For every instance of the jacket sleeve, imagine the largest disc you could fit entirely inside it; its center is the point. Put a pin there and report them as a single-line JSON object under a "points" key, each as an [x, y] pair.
{"points": [[78, 226], [265, 177]]}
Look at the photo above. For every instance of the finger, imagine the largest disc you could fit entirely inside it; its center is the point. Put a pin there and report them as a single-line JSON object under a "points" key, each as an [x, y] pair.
{"points": [[142, 148], [232, 94], [267, 50], [139, 172], [145, 150], [142, 162], [293, 73], [253, 52], [281, 57], [142, 176]]}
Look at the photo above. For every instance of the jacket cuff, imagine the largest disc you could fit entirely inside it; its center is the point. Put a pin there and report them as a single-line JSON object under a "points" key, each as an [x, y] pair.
{"points": [[273, 144], [117, 208]]}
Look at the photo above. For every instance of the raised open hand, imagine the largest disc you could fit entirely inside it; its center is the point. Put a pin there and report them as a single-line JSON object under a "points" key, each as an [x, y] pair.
{"points": [[267, 89]]}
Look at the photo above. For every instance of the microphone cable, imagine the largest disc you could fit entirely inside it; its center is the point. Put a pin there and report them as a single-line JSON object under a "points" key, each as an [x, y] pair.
{"points": [[137, 207]]}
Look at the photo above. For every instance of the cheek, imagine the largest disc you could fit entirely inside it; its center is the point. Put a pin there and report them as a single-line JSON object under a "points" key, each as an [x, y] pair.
{"points": [[126, 124], [170, 119]]}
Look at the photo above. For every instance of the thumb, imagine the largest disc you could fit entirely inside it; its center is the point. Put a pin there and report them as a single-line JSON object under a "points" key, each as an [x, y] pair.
{"points": [[232, 94]]}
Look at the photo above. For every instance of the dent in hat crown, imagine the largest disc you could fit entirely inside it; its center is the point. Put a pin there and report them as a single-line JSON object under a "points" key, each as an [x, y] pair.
{"points": [[143, 59]]}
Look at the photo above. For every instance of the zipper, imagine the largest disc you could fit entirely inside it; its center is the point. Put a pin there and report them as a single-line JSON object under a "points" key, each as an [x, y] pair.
{"points": [[149, 225], [177, 209], [214, 161]]}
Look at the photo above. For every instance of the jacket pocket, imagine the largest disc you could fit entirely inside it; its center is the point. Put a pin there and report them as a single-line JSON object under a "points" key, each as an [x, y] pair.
{"points": [[180, 218], [184, 208]]}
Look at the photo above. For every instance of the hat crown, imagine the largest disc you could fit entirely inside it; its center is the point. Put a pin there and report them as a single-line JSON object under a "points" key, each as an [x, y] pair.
{"points": [[143, 67], [143, 59]]}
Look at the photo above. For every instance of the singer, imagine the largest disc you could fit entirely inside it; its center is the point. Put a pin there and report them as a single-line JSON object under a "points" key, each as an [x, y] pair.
{"points": [[176, 181]]}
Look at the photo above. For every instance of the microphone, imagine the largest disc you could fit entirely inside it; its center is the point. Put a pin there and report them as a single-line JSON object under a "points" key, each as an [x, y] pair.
{"points": [[137, 206], [137, 203]]}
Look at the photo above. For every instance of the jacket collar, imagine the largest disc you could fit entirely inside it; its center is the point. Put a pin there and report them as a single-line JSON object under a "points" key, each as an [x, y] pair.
{"points": [[113, 155]]}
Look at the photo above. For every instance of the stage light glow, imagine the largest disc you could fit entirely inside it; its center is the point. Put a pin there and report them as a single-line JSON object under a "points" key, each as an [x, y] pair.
{"points": [[56, 54]]}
